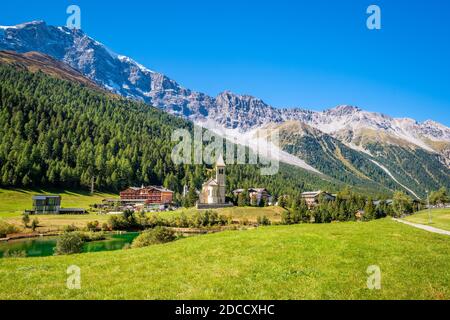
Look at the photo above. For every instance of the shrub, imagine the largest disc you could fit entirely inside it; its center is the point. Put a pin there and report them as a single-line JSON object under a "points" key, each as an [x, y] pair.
{"points": [[127, 221], [91, 236], [6, 228], [14, 254], [154, 236], [264, 221], [34, 224], [286, 217], [92, 226], [70, 228], [69, 243], [25, 219]]}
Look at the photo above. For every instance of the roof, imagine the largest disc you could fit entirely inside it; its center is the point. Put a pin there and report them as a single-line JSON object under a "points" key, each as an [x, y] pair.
{"points": [[251, 190], [220, 162], [72, 210], [211, 182], [377, 202], [159, 188], [258, 189], [316, 193], [43, 197], [311, 193]]}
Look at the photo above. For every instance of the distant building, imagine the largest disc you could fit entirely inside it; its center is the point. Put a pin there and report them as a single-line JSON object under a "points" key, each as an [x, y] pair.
{"points": [[359, 215], [378, 202], [213, 190], [46, 204], [51, 204], [147, 195], [312, 198], [256, 195]]}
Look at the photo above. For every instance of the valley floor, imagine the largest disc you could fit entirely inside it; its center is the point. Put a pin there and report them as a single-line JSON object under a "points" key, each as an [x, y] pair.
{"points": [[14, 201], [327, 261]]}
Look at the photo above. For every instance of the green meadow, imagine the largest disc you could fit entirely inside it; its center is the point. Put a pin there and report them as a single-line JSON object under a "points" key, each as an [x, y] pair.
{"points": [[440, 218], [13, 202], [308, 261]]}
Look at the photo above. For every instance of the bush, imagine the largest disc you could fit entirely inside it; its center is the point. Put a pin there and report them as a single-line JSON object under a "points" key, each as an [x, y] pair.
{"points": [[25, 219], [70, 228], [92, 226], [154, 236], [6, 228], [91, 236], [69, 243], [34, 224], [14, 254], [264, 221]]}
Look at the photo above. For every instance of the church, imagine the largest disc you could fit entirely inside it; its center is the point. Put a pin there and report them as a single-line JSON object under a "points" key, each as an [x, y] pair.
{"points": [[213, 190]]}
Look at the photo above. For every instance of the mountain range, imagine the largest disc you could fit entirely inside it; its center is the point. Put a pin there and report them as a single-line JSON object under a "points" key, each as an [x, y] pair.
{"points": [[345, 142]]}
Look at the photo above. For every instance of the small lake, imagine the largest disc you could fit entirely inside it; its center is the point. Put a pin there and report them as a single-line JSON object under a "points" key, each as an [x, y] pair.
{"points": [[43, 247]]}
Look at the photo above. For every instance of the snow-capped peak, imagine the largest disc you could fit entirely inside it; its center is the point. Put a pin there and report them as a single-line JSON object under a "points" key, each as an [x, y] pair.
{"points": [[127, 77], [129, 60]]}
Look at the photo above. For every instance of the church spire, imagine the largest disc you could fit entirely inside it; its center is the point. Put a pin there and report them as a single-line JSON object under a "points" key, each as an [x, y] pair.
{"points": [[220, 162]]}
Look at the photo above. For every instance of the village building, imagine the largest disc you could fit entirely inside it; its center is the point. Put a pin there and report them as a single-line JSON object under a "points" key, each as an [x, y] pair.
{"points": [[360, 215], [46, 204], [256, 195], [148, 195], [213, 191], [51, 204], [312, 198]]}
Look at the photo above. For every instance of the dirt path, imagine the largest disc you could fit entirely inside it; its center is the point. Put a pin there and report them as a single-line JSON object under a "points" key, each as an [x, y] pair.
{"points": [[423, 227]]}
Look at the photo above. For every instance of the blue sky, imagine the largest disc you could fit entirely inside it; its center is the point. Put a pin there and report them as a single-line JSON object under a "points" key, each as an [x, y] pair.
{"points": [[311, 54]]}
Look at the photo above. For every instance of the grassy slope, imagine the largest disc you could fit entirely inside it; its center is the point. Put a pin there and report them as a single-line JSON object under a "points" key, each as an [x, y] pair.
{"points": [[14, 201], [238, 213], [440, 218], [280, 262]]}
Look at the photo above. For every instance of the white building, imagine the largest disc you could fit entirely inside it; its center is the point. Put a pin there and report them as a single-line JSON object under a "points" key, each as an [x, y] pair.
{"points": [[213, 190]]}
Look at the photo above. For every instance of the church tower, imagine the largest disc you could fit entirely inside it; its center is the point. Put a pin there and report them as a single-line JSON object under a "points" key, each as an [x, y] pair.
{"points": [[221, 179]]}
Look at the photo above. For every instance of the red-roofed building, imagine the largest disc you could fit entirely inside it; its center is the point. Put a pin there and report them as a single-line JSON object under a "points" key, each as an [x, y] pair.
{"points": [[147, 195]]}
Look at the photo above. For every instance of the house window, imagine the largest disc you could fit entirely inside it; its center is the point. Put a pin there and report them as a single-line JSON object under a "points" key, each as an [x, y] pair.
{"points": [[220, 171]]}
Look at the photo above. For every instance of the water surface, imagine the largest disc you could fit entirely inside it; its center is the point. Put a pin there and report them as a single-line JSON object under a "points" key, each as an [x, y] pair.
{"points": [[44, 246]]}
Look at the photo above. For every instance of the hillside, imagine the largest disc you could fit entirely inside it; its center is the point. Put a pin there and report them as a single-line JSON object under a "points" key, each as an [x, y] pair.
{"points": [[396, 167], [60, 133], [35, 61], [282, 262]]}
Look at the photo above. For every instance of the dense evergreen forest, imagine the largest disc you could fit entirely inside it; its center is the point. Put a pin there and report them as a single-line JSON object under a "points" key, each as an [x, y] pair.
{"points": [[59, 133]]}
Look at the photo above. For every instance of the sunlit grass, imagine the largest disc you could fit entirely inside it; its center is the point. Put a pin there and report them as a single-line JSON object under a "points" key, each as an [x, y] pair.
{"points": [[327, 261], [238, 213], [14, 201], [440, 218]]}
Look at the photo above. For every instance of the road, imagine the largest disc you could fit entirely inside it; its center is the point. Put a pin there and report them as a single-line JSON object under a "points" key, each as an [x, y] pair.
{"points": [[423, 227]]}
